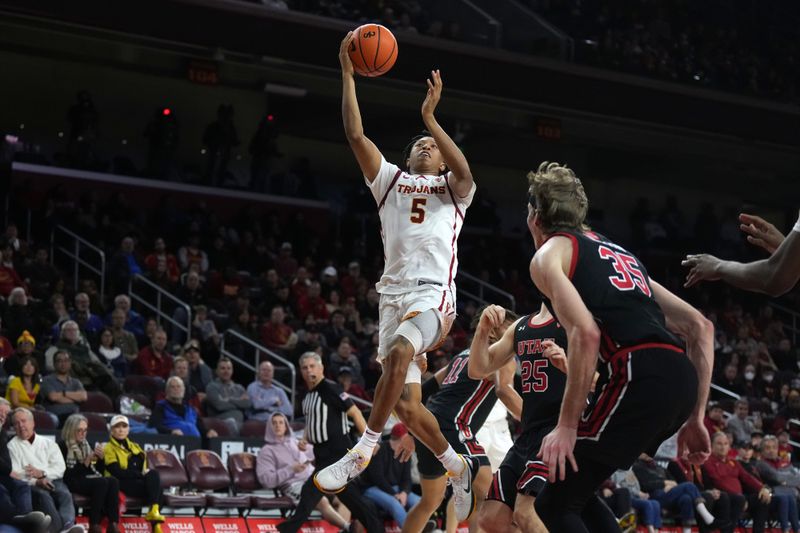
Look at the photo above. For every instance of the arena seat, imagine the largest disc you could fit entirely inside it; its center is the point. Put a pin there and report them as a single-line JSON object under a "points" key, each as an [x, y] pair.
{"points": [[206, 472], [44, 420], [97, 402], [96, 421], [242, 468], [147, 385], [222, 427], [173, 474], [253, 428]]}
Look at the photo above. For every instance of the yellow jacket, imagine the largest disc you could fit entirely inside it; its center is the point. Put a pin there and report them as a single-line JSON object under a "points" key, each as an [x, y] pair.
{"points": [[115, 453]]}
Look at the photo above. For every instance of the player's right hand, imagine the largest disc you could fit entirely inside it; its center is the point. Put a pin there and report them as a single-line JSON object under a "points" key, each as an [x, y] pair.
{"points": [[702, 267], [555, 354], [492, 317], [344, 56], [760, 232]]}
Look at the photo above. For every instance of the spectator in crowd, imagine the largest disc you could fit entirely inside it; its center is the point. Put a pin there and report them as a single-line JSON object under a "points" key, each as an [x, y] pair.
{"points": [[90, 324], [781, 476], [717, 501], [9, 279], [38, 461], [276, 334], [682, 498], [124, 339], [154, 360], [18, 315], [788, 412], [714, 419], [126, 461], [350, 281], [133, 320], [174, 416], [388, 481], [162, 265], [58, 309], [740, 424], [192, 254], [285, 463], [204, 328], [82, 474], [180, 368], [730, 381], [727, 475], [16, 506], [285, 264], [345, 379], [124, 265], [111, 354], [266, 397], [194, 295], [220, 138], [648, 510], [23, 390], [345, 356], [42, 276], [86, 366], [337, 329], [61, 392], [26, 347], [311, 303], [200, 375], [226, 399]]}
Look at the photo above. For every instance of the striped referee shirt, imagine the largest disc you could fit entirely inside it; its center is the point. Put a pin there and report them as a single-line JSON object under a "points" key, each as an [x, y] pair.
{"points": [[325, 408]]}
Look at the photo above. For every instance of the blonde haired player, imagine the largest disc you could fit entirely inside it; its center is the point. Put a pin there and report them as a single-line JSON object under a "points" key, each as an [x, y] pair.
{"points": [[422, 208]]}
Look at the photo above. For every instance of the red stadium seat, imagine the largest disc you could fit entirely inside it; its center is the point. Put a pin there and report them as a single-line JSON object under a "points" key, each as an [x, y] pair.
{"points": [[206, 472], [172, 474], [148, 385], [219, 425], [96, 421], [253, 428], [97, 402], [44, 420], [242, 467]]}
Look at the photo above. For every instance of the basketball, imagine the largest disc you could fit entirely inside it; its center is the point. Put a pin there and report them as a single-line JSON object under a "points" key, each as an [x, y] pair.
{"points": [[373, 50]]}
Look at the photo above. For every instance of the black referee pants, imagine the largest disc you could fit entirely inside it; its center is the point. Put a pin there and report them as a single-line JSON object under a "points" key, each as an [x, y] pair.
{"points": [[363, 510]]}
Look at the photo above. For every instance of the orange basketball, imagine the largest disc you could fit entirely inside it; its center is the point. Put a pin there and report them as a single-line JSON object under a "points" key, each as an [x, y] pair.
{"points": [[373, 51]]}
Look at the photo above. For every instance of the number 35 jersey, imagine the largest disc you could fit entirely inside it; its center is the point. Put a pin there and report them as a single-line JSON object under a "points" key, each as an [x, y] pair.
{"points": [[615, 287], [421, 217], [542, 383]]}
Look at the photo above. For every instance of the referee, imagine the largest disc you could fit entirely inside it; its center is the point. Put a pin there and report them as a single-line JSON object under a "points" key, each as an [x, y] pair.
{"points": [[326, 408]]}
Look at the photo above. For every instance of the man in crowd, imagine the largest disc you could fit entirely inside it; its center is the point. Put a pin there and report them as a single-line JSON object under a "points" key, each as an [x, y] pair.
{"points": [[61, 392], [124, 339], [741, 425], [199, 372], [154, 360], [85, 365], [225, 398], [266, 397], [89, 323]]}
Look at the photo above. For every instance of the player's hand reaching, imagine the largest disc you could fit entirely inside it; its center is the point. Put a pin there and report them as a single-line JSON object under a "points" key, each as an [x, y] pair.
{"points": [[760, 232], [693, 442], [557, 448], [702, 267], [344, 56], [405, 448], [434, 94], [492, 317], [556, 355]]}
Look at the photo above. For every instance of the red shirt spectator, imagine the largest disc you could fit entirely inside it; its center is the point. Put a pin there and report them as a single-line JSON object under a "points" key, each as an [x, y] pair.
{"points": [[162, 264], [728, 474], [300, 284], [9, 279], [154, 360], [350, 280], [275, 334], [714, 420], [285, 264], [312, 303]]}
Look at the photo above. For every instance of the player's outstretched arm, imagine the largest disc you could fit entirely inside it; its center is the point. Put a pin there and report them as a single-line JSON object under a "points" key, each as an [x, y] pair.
{"points": [[484, 359], [358, 419], [548, 271], [698, 331], [760, 232], [367, 154], [456, 162], [774, 276], [504, 388]]}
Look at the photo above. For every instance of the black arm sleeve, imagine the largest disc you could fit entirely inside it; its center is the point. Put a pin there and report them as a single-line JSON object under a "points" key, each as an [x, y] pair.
{"points": [[429, 388]]}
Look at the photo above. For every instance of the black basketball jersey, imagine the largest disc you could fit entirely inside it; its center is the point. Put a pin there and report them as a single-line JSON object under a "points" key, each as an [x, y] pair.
{"points": [[462, 403], [543, 384], [615, 287], [325, 408]]}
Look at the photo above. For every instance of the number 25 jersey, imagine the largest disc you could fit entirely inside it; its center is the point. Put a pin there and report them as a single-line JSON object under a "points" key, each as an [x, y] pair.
{"points": [[542, 383], [421, 217]]}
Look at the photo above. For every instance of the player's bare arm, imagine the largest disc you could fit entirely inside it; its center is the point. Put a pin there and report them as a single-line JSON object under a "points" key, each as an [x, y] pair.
{"points": [[461, 182], [760, 232], [354, 413], [548, 271], [484, 359], [774, 276], [367, 154], [698, 331], [504, 388]]}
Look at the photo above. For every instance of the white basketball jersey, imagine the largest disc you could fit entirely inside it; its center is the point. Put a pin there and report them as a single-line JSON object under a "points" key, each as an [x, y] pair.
{"points": [[421, 217]]}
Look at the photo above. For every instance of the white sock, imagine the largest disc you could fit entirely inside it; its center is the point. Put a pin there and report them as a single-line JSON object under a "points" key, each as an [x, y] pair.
{"points": [[367, 442], [687, 530], [702, 510], [452, 462]]}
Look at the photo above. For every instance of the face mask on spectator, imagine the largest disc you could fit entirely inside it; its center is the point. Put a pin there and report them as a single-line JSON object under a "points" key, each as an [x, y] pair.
{"points": [[749, 376], [768, 377]]}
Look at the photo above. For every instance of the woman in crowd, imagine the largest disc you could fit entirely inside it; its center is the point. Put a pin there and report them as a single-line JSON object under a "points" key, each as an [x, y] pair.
{"points": [[82, 475], [284, 463], [111, 354], [127, 462], [23, 391]]}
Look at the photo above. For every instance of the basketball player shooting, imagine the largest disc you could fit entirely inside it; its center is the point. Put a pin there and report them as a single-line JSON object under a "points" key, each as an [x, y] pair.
{"points": [[421, 208]]}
